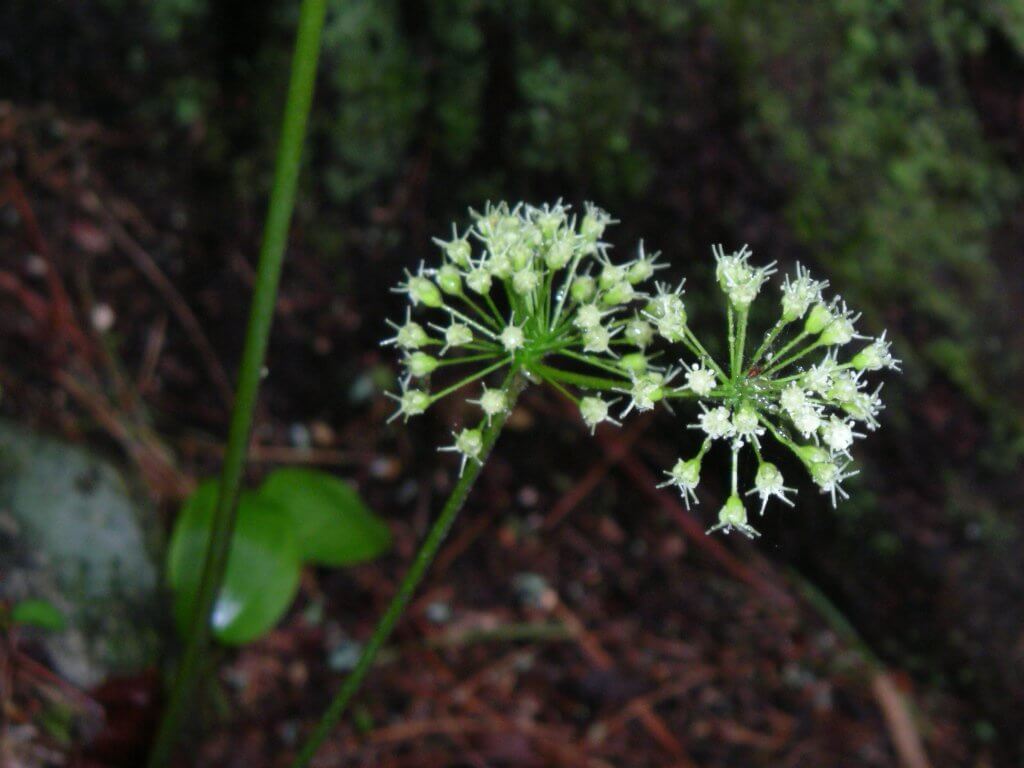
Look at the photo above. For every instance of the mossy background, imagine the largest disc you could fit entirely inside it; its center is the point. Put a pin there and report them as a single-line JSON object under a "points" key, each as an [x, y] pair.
{"points": [[879, 141]]}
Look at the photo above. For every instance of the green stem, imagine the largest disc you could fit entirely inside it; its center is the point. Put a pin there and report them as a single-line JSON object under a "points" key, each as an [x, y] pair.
{"points": [[579, 379], [741, 341], [424, 557], [271, 257], [776, 330]]}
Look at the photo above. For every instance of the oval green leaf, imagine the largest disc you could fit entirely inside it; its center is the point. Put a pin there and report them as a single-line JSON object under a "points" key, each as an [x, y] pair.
{"points": [[39, 614], [332, 523], [263, 569]]}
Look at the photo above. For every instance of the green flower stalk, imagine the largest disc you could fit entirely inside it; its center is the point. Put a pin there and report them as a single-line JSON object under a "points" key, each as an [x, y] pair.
{"points": [[812, 409], [526, 295], [531, 295]]}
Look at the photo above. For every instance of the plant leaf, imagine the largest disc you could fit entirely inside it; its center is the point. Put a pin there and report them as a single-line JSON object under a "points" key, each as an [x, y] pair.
{"points": [[333, 524], [40, 614], [263, 569]]}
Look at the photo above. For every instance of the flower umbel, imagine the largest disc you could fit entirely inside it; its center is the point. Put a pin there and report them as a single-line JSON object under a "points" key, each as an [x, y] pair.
{"points": [[534, 291], [812, 410]]}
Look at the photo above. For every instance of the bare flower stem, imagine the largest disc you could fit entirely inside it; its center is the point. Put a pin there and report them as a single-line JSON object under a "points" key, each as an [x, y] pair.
{"points": [[424, 557]]}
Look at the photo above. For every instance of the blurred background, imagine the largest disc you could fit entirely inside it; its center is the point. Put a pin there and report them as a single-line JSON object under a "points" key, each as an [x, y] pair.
{"points": [[574, 618]]}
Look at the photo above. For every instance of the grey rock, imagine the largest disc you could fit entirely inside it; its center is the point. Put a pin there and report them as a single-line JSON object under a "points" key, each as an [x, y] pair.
{"points": [[73, 533]]}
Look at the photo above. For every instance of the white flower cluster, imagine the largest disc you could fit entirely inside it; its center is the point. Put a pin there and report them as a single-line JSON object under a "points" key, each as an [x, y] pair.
{"points": [[524, 288], [814, 410]]}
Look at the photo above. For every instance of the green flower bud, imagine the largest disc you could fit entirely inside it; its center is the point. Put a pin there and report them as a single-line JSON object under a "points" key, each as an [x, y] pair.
{"points": [[449, 279]]}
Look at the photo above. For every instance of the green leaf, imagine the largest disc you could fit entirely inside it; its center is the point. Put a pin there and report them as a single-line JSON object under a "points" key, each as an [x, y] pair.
{"points": [[333, 525], [38, 613], [263, 565]]}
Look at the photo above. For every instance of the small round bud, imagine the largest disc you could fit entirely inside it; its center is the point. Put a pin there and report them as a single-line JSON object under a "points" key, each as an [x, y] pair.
{"points": [[411, 336], [610, 275], [583, 289], [640, 270], [621, 292], [459, 252], [875, 356], [818, 319], [639, 332], [449, 280], [839, 332], [634, 363], [768, 479], [421, 364], [422, 291], [734, 515]]}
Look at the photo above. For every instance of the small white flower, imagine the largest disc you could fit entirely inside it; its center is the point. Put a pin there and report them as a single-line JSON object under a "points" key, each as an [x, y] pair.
{"points": [[421, 290], [837, 434], [793, 398], [597, 339], [875, 356], [469, 443], [647, 389], [559, 253], [769, 482], [493, 402], [525, 281], [734, 515], [409, 335], [818, 378], [700, 380], [798, 295], [745, 423], [457, 335], [512, 338], [685, 476], [479, 281], [806, 420], [412, 402], [716, 422], [845, 387], [588, 316], [594, 410], [420, 364]]}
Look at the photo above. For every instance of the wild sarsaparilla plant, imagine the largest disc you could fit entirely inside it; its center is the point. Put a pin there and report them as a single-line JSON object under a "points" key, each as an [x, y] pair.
{"points": [[532, 295]]}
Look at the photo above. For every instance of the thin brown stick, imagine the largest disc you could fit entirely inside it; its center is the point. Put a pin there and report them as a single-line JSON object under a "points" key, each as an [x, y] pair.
{"points": [[178, 306]]}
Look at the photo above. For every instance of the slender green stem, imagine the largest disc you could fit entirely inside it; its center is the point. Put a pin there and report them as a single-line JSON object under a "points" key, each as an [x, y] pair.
{"points": [[424, 557], [775, 331], [579, 379], [778, 366], [732, 342], [469, 379], [741, 340], [275, 235]]}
